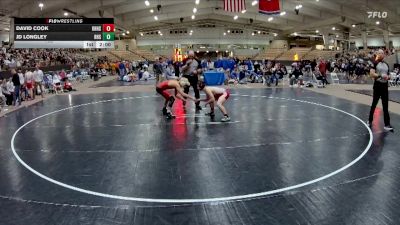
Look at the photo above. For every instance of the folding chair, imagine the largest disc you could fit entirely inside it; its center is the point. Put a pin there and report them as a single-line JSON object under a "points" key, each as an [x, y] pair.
{"points": [[335, 78]]}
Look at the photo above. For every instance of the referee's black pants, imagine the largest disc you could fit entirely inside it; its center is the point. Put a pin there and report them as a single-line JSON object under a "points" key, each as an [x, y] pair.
{"points": [[193, 80], [380, 92]]}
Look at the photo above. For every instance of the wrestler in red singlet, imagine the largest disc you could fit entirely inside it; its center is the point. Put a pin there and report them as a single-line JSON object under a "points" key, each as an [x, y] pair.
{"points": [[163, 87]]}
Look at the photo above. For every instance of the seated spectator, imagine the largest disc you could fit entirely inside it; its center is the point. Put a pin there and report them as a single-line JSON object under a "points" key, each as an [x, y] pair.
{"points": [[2, 99], [296, 76], [56, 83], [318, 75], [6, 92], [170, 72], [63, 75]]}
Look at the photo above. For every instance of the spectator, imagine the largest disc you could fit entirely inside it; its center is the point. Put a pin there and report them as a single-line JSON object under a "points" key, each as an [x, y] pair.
{"points": [[158, 70], [17, 87], [296, 76], [38, 77], [6, 92], [29, 83], [170, 72]]}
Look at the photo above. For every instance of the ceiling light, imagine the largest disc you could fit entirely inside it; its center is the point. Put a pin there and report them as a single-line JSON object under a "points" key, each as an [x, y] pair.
{"points": [[333, 28], [41, 5], [207, 51], [229, 31], [337, 35], [127, 31], [259, 32], [141, 34], [377, 22], [226, 51], [235, 17], [197, 51], [353, 25], [161, 34], [151, 10], [197, 2], [147, 3], [270, 19], [317, 31], [216, 51], [193, 17], [194, 10], [275, 34], [7, 29], [252, 34], [317, 0], [123, 34], [190, 33], [298, 6], [224, 33], [282, 13], [295, 33], [243, 11], [65, 14], [255, 2], [156, 17]]}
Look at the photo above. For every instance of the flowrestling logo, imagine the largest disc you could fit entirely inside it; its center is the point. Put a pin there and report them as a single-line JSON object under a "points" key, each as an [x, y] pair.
{"points": [[380, 15]]}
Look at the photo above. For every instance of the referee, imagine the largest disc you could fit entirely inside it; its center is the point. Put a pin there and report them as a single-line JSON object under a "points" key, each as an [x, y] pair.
{"points": [[189, 70], [380, 74]]}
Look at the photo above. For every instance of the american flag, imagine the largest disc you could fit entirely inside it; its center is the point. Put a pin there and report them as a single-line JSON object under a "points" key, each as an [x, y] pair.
{"points": [[234, 5]]}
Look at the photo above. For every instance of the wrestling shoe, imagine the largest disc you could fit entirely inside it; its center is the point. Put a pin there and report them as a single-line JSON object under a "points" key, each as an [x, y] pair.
{"points": [[225, 119], [198, 108], [171, 101], [169, 115], [164, 111], [388, 128], [211, 114]]}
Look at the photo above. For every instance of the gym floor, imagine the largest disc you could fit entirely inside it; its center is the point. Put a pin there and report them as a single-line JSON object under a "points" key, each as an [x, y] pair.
{"points": [[288, 156]]}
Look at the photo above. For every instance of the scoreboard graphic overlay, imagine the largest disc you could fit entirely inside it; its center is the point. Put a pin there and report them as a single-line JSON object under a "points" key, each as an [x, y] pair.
{"points": [[64, 33]]}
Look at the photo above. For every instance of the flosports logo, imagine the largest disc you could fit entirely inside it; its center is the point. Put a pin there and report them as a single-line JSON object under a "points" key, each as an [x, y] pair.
{"points": [[380, 15]]}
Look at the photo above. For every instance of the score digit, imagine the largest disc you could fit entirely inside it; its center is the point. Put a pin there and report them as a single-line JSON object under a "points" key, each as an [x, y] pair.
{"points": [[108, 27], [108, 36]]}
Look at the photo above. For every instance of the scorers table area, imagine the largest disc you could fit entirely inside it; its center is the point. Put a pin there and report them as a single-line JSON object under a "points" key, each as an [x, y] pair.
{"points": [[63, 32]]}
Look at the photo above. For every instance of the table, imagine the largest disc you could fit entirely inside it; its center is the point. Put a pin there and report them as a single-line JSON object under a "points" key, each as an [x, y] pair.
{"points": [[214, 78]]}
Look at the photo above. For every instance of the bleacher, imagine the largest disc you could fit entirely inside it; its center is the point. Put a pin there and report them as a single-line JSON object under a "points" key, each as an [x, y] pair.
{"points": [[146, 54], [270, 54], [289, 55], [99, 54], [315, 54], [127, 55]]}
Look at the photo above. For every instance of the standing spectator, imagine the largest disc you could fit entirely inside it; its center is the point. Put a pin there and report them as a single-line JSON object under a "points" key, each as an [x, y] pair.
{"points": [[11, 90], [322, 66], [17, 87], [189, 70], [38, 77], [23, 91], [158, 70], [122, 70], [381, 76], [29, 83]]}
